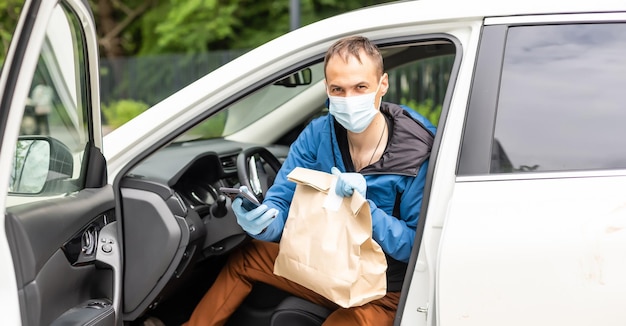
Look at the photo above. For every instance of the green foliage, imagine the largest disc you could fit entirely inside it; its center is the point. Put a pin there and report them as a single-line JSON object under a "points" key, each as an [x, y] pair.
{"points": [[210, 128], [9, 14], [119, 112], [194, 26], [426, 108], [189, 25]]}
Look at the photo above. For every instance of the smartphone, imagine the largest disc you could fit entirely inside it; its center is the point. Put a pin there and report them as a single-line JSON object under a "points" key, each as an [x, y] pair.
{"points": [[249, 201]]}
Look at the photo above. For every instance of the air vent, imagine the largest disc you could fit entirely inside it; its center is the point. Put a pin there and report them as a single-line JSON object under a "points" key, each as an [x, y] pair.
{"points": [[229, 163]]}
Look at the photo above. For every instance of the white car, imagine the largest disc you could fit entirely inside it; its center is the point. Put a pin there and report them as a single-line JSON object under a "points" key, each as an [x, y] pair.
{"points": [[524, 213]]}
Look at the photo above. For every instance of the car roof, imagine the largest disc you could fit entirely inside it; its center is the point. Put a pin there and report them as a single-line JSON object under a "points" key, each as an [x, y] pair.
{"points": [[425, 10]]}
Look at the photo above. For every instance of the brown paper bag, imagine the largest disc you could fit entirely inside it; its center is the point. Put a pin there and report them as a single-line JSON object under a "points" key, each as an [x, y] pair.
{"points": [[327, 243]]}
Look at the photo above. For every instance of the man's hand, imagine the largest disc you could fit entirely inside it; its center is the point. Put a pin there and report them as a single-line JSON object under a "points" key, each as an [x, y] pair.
{"points": [[347, 183], [256, 220]]}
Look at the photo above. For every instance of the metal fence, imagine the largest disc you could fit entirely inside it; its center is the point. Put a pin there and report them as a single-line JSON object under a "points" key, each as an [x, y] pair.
{"points": [[150, 79]]}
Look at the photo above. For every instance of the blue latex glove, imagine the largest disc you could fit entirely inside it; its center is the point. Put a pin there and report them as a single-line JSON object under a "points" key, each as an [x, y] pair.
{"points": [[348, 182], [256, 220]]}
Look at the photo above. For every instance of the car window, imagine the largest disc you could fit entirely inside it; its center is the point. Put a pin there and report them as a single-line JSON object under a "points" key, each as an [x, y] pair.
{"points": [[561, 102], [418, 79], [248, 110], [421, 85], [54, 130]]}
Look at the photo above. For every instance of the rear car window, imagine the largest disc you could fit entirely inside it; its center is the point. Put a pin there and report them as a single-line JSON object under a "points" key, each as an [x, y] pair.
{"points": [[561, 104]]}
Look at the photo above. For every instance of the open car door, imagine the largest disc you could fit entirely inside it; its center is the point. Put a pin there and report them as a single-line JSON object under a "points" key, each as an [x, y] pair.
{"points": [[60, 258]]}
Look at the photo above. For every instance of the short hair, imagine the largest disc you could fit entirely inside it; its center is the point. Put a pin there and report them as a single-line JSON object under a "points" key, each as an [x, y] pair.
{"points": [[352, 46]]}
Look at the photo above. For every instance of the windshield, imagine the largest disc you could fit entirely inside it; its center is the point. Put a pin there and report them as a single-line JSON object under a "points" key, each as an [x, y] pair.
{"points": [[249, 109]]}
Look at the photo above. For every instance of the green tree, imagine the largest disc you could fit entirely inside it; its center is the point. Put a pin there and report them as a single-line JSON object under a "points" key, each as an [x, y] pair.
{"points": [[9, 14], [149, 27], [114, 21], [146, 28]]}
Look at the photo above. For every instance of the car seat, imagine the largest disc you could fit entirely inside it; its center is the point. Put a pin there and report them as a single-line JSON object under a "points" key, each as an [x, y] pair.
{"points": [[294, 311], [267, 305]]}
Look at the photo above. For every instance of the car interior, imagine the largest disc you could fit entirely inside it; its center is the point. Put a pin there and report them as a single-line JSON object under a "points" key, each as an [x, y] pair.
{"points": [[179, 227]]}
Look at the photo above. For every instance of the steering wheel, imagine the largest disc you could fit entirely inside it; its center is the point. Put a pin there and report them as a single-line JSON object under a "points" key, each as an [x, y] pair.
{"points": [[251, 170]]}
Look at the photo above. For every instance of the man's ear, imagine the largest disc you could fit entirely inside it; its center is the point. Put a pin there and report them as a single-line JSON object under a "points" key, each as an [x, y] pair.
{"points": [[384, 84]]}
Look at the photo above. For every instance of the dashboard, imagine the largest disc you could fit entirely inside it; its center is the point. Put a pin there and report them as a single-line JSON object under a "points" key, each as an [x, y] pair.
{"points": [[196, 170], [176, 217]]}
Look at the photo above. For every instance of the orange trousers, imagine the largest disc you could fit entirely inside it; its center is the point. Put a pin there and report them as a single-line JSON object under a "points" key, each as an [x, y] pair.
{"points": [[255, 263]]}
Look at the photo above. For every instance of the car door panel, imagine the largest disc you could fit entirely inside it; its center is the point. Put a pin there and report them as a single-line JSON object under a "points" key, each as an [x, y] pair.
{"points": [[54, 245], [92, 313], [62, 237], [536, 258]]}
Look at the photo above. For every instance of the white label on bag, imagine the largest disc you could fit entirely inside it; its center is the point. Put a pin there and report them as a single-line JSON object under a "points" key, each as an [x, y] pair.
{"points": [[332, 201]]}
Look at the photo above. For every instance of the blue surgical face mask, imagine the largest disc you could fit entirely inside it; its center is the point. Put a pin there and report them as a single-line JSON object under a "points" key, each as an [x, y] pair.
{"points": [[355, 113]]}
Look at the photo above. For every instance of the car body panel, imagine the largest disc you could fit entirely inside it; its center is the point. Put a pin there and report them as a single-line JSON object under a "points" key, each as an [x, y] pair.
{"points": [[11, 118], [526, 251]]}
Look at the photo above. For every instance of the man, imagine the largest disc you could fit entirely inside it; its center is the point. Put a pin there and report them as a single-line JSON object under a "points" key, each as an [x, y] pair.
{"points": [[383, 151]]}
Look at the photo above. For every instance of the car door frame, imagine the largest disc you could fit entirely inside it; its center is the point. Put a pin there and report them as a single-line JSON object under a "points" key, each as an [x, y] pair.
{"points": [[92, 201]]}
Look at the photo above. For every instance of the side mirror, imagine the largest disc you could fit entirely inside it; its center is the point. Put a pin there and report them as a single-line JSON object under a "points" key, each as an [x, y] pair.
{"points": [[38, 163], [299, 78]]}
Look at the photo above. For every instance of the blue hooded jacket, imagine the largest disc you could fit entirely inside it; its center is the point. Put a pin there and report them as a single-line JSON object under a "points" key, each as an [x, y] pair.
{"points": [[395, 183]]}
